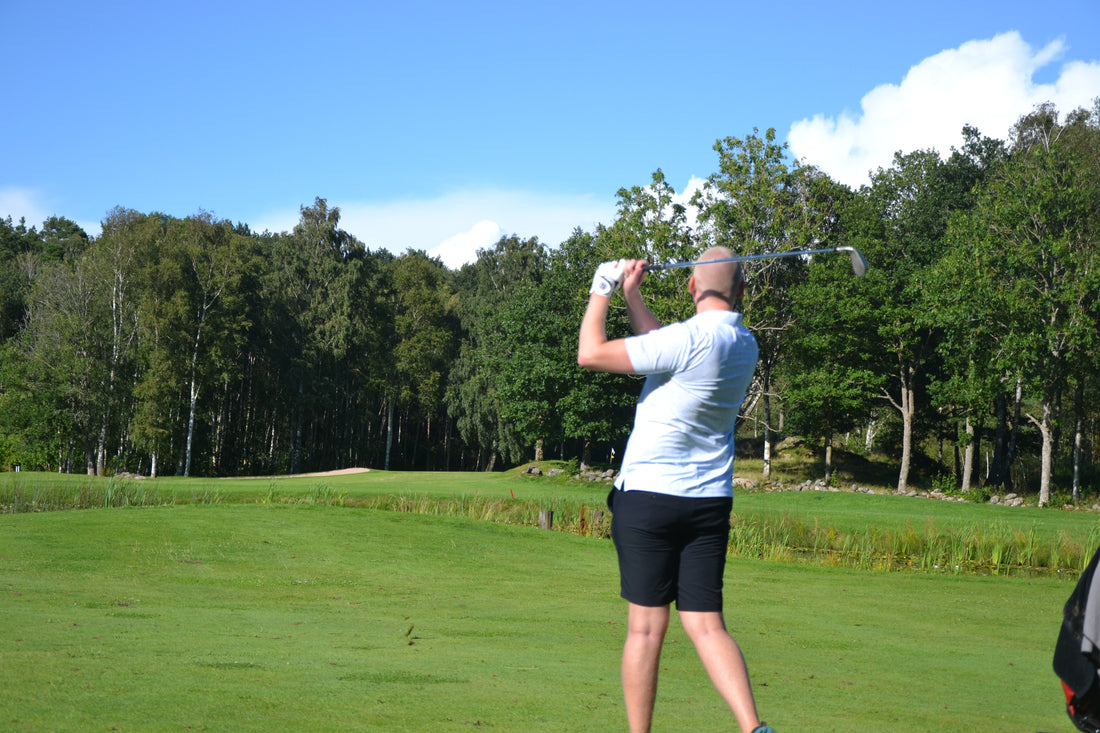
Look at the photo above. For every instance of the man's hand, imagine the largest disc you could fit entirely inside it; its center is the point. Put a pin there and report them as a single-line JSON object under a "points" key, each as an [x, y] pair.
{"points": [[609, 276], [641, 319], [633, 274]]}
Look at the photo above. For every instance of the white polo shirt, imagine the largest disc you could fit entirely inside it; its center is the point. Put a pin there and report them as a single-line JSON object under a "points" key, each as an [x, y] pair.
{"points": [[697, 373]]}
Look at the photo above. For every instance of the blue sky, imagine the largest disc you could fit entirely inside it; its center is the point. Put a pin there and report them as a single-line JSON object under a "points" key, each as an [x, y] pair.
{"points": [[441, 126]]}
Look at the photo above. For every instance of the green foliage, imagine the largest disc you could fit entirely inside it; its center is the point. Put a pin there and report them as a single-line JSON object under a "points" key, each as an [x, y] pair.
{"points": [[194, 345], [649, 226], [829, 384], [424, 330], [945, 483], [1015, 295], [502, 380], [756, 204]]}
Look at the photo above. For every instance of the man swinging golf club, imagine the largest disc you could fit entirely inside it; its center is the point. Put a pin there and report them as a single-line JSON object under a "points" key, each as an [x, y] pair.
{"points": [[672, 500]]}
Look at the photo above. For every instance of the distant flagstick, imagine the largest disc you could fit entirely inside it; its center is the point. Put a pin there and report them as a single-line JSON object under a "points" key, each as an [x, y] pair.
{"points": [[859, 262]]}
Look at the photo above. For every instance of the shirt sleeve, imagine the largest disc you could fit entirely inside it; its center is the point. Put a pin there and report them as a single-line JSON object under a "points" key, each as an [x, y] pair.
{"points": [[660, 351]]}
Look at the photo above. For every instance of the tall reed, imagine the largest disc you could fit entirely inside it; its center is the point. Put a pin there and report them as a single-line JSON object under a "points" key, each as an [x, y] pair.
{"points": [[570, 516], [994, 549], [19, 495]]}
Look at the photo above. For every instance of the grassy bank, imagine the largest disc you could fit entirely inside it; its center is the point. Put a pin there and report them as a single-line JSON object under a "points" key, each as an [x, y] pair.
{"points": [[836, 529]]}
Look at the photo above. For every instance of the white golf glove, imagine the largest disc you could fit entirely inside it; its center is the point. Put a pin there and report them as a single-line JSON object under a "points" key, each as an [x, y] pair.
{"points": [[608, 278]]}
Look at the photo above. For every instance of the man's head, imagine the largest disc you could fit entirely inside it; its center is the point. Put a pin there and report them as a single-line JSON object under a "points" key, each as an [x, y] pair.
{"points": [[719, 285]]}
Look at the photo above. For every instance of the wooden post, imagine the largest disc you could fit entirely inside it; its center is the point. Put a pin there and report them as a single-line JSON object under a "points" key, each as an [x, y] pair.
{"points": [[546, 519]]}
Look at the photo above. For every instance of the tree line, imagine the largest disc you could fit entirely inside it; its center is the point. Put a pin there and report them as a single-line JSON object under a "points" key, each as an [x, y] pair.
{"points": [[197, 346]]}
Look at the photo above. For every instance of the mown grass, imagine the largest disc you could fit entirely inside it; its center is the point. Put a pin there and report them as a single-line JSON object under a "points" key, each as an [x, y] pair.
{"points": [[329, 616]]}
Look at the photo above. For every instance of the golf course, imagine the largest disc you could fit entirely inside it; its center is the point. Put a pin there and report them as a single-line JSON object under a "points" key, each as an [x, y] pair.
{"points": [[387, 601]]}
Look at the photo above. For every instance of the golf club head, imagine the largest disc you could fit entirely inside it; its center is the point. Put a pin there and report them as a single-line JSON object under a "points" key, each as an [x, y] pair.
{"points": [[859, 262]]}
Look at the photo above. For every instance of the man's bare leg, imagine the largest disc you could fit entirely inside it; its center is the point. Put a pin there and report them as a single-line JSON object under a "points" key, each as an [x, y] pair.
{"points": [[646, 627], [724, 662]]}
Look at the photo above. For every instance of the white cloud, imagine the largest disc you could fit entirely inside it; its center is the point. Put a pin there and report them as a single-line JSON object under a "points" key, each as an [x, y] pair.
{"points": [[988, 84], [454, 226], [29, 204], [462, 248], [684, 197], [22, 203]]}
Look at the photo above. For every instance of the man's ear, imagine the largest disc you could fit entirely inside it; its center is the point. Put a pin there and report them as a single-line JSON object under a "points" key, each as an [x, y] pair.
{"points": [[691, 286], [740, 291]]}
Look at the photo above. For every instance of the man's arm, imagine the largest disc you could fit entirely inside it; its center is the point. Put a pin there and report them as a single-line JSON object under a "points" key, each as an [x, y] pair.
{"points": [[594, 351], [641, 319]]}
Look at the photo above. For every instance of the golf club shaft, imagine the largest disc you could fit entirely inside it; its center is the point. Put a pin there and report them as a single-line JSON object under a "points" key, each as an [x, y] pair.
{"points": [[859, 264]]}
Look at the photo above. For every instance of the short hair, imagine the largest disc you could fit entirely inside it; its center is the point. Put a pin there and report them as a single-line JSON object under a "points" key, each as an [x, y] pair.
{"points": [[722, 278]]}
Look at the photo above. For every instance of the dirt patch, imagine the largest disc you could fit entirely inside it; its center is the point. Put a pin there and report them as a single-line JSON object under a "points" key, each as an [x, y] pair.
{"points": [[339, 472]]}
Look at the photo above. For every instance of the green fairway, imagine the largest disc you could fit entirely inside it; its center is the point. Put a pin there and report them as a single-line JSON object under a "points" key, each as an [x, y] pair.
{"points": [[278, 616]]}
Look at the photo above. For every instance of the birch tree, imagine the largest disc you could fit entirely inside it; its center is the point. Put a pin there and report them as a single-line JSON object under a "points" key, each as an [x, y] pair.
{"points": [[755, 204]]}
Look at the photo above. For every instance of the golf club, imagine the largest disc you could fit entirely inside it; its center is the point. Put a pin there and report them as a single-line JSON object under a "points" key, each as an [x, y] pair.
{"points": [[859, 263]]}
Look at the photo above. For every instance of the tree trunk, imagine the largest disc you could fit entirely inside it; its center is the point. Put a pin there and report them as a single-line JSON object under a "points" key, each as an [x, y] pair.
{"points": [[968, 457], [389, 434], [907, 408], [1014, 435], [217, 444], [190, 426], [1046, 428], [1078, 439], [492, 464], [447, 445], [411, 461], [906, 446], [828, 455], [997, 475], [298, 419], [89, 457], [870, 433], [101, 448], [767, 473]]}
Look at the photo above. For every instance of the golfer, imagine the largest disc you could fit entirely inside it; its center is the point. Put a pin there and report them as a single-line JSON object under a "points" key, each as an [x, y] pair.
{"points": [[672, 500]]}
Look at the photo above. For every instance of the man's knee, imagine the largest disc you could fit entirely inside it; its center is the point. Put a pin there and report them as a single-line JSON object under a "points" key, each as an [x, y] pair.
{"points": [[701, 624], [648, 621]]}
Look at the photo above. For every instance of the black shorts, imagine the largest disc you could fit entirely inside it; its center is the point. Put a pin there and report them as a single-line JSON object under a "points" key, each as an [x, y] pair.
{"points": [[671, 548]]}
